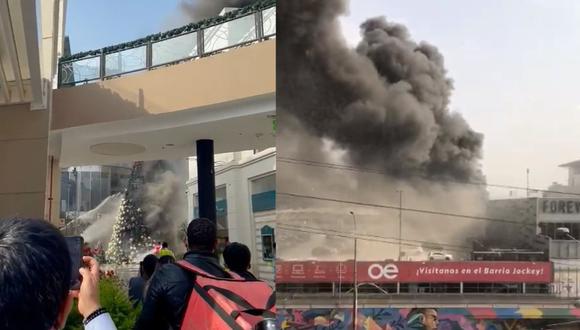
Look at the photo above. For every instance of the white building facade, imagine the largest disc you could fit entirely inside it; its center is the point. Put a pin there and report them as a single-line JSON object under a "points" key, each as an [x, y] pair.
{"points": [[556, 217], [246, 204]]}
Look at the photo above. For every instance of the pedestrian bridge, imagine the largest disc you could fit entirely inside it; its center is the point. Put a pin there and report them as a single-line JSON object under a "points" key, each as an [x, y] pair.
{"points": [[153, 97]]}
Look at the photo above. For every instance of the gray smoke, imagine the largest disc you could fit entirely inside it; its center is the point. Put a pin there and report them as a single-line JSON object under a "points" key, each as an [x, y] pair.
{"points": [[100, 220], [385, 102], [382, 105], [164, 201], [197, 10], [379, 227]]}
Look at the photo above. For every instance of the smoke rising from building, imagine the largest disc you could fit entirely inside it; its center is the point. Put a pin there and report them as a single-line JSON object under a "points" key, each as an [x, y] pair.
{"points": [[378, 227], [164, 202], [197, 10], [383, 105], [385, 102]]}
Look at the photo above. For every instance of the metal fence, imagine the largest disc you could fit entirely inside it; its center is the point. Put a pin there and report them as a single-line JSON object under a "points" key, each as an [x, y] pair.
{"points": [[253, 27]]}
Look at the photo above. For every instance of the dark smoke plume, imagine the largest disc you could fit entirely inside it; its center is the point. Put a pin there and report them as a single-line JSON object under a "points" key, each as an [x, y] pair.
{"points": [[385, 102], [163, 199], [197, 10]]}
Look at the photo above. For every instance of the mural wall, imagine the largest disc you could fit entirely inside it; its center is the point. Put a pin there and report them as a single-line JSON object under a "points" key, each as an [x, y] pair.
{"points": [[449, 319]]}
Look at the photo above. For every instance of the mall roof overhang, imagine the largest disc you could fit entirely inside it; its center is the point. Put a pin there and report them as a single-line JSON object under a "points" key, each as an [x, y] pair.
{"points": [[20, 76], [240, 125]]}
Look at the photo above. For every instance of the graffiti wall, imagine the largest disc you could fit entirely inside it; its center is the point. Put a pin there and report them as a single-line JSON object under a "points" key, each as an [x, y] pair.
{"points": [[447, 319]]}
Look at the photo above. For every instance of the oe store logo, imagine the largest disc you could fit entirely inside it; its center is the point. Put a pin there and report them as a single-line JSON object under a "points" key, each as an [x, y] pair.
{"points": [[389, 271]]}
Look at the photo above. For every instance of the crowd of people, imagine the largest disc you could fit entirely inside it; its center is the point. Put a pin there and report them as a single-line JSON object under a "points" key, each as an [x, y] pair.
{"points": [[35, 276]]}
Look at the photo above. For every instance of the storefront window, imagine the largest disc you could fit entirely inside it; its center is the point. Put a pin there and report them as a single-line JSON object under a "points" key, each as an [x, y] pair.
{"points": [[268, 243]]}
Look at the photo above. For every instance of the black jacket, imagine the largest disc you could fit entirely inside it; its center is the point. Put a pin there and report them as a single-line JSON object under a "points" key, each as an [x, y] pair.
{"points": [[247, 275], [169, 289]]}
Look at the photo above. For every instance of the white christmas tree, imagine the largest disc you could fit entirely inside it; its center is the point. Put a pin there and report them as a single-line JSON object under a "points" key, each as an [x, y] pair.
{"points": [[130, 235]]}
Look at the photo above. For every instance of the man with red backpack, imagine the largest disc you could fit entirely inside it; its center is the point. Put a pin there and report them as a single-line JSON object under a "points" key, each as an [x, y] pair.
{"points": [[198, 293]]}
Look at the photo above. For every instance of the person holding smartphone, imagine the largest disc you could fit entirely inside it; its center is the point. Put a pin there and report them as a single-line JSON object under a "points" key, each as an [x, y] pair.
{"points": [[95, 317], [36, 291]]}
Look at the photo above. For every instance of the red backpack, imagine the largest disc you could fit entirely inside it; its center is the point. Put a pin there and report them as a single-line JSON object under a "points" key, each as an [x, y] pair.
{"points": [[226, 303]]}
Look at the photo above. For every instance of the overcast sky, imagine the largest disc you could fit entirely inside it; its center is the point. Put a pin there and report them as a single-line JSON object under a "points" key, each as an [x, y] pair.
{"points": [[516, 71]]}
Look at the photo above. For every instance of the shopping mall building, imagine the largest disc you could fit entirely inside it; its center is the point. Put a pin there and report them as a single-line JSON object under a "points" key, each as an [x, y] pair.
{"points": [[530, 280], [73, 125]]}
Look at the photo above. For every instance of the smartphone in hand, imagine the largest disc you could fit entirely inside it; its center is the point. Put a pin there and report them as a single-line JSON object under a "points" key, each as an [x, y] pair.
{"points": [[75, 249]]}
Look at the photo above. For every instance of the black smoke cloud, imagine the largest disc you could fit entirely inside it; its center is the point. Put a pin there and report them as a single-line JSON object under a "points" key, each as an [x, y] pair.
{"points": [[385, 102], [197, 10], [163, 199]]}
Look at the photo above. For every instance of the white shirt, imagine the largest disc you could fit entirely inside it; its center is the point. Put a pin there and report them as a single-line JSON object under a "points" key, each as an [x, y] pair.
{"points": [[101, 322]]}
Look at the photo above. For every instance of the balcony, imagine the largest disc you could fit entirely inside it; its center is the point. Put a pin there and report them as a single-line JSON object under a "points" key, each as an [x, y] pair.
{"points": [[245, 26]]}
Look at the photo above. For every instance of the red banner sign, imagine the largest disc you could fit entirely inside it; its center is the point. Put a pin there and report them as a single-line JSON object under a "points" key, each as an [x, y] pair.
{"points": [[414, 272]]}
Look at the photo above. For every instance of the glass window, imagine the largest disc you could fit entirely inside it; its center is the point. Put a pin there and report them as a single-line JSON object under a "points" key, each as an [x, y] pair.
{"points": [[221, 205], [195, 206], [264, 194], [268, 243]]}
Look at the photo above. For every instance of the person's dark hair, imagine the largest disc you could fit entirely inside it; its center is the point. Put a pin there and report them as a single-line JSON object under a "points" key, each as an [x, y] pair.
{"points": [[166, 260], [201, 235], [35, 274], [149, 264], [164, 245], [237, 257]]}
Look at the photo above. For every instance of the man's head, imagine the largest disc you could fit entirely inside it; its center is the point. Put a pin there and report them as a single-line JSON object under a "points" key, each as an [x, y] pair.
{"points": [[164, 245], [237, 257], [426, 316], [149, 264], [35, 275], [201, 235], [165, 260]]}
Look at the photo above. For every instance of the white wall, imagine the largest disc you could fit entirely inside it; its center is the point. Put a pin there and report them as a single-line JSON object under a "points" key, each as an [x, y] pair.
{"points": [[237, 175]]}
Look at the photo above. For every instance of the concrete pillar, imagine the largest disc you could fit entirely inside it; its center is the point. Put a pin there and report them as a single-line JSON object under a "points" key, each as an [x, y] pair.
{"points": [[206, 179], [23, 169]]}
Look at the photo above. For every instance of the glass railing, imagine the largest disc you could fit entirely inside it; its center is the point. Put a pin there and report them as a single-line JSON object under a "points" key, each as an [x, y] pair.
{"points": [[174, 49], [238, 28], [125, 61]]}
